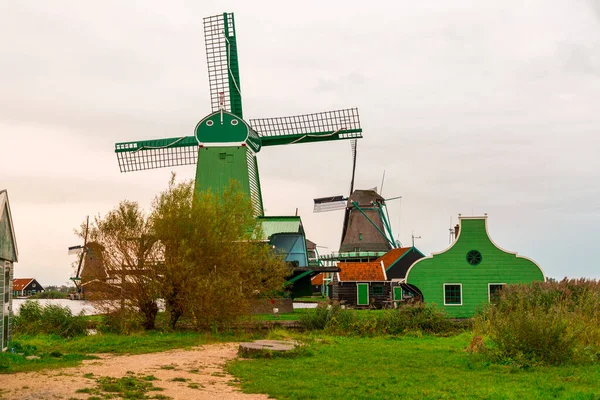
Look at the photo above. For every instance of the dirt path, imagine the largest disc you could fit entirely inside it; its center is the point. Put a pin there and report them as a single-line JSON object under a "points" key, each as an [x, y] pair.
{"points": [[202, 369]]}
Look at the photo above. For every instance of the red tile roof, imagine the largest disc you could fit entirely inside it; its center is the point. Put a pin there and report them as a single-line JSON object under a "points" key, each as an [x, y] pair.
{"points": [[317, 279], [392, 256], [20, 283], [361, 271]]}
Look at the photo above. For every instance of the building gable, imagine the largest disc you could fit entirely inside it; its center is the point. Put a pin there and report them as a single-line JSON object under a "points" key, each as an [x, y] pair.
{"points": [[474, 261], [8, 245]]}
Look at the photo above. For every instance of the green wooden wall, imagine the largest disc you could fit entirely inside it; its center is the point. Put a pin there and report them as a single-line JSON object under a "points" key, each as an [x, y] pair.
{"points": [[217, 166], [3, 266], [451, 266]]}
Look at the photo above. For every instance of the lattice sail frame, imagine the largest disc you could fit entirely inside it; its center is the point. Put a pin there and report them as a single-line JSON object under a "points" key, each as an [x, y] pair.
{"points": [[159, 153], [222, 61], [343, 124]]}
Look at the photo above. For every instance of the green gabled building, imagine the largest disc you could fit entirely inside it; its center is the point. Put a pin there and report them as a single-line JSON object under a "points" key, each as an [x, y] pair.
{"points": [[8, 256], [464, 277]]}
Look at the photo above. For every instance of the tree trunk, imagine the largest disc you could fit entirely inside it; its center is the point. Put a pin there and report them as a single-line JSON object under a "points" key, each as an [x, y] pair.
{"points": [[149, 309]]}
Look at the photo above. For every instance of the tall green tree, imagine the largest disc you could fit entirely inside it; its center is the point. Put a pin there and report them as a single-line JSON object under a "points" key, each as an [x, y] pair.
{"points": [[215, 260]]}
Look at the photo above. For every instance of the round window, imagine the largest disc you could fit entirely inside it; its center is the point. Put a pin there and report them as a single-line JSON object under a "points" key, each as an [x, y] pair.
{"points": [[234, 122], [209, 123], [474, 257]]}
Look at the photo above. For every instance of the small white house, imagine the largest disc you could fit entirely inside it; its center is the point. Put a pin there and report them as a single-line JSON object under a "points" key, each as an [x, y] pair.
{"points": [[8, 256]]}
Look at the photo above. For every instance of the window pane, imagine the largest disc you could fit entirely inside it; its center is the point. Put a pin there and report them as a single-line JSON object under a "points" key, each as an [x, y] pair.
{"points": [[495, 292], [452, 294]]}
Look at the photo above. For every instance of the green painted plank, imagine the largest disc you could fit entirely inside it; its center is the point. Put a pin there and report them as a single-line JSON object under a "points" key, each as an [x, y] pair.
{"points": [[155, 144], [297, 277], [311, 137]]}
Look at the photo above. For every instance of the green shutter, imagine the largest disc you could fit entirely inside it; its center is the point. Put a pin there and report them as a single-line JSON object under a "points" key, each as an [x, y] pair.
{"points": [[397, 293], [363, 294]]}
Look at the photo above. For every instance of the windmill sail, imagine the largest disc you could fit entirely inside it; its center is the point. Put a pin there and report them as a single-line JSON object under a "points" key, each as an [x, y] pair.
{"points": [[159, 153], [329, 125], [347, 213], [222, 60], [334, 203]]}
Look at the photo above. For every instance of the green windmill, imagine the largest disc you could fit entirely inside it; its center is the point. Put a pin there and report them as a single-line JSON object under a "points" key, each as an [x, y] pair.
{"points": [[224, 145]]}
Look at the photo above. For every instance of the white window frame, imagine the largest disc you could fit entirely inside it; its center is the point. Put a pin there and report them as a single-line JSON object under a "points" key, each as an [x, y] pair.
{"points": [[490, 287], [461, 294]]}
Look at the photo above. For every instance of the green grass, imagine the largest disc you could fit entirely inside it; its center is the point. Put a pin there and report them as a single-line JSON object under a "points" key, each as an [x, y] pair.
{"points": [[138, 343], [425, 367], [295, 316], [55, 351], [127, 387]]}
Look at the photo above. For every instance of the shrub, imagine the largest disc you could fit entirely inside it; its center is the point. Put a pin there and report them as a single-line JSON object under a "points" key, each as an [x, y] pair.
{"points": [[52, 319], [320, 317], [49, 294], [545, 322], [120, 321], [407, 318]]}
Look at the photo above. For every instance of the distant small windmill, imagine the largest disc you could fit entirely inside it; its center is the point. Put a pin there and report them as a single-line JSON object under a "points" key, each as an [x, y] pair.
{"points": [[224, 145], [81, 251], [366, 226]]}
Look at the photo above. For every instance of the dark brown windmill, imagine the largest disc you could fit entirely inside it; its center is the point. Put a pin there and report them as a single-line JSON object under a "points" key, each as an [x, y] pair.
{"points": [[366, 232], [365, 227]]}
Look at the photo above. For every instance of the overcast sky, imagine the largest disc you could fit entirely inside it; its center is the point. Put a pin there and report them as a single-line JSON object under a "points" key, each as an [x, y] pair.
{"points": [[470, 107]]}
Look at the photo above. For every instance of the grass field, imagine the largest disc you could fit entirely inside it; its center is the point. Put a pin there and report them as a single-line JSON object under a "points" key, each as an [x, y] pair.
{"points": [[425, 367]]}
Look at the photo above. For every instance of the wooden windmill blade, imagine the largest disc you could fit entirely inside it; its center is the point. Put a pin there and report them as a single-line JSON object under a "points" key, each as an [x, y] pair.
{"points": [[331, 203], [158, 153], [354, 143], [317, 127], [222, 60]]}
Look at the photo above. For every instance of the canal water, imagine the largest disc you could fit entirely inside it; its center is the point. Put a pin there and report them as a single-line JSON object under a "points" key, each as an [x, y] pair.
{"points": [[87, 307], [76, 306]]}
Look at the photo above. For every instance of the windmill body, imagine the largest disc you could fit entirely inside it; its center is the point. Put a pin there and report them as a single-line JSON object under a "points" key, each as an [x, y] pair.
{"points": [[366, 226], [224, 145]]}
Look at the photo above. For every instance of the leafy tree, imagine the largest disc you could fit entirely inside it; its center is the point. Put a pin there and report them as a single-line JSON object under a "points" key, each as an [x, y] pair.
{"points": [[202, 253], [130, 254], [215, 259]]}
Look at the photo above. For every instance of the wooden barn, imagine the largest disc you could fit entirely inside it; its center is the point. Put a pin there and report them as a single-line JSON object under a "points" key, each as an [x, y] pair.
{"points": [[8, 256], [465, 276], [25, 287], [361, 284]]}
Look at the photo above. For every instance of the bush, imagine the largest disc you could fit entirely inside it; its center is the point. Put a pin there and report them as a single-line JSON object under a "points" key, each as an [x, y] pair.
{"points": [[34, 318], [49, 294], [545, 322], [407, 318], [121, 321]]}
